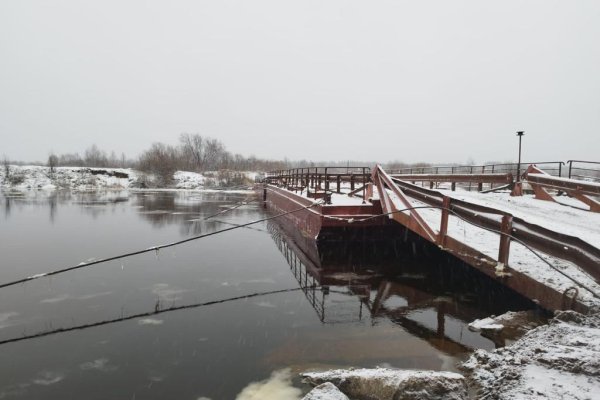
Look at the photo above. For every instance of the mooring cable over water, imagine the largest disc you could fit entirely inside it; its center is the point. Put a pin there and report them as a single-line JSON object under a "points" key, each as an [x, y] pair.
{"points": [[238, 205], [149, 314], [352, 220], [154, 248]]}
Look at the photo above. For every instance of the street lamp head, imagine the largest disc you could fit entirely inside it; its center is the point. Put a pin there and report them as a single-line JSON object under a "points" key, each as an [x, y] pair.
{"points": [[520, 133]]}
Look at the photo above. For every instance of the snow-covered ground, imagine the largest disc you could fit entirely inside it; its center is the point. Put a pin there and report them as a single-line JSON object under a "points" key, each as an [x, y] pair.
{"points": [[83, 179], [76, 178], [553, 216], [560, 360]]}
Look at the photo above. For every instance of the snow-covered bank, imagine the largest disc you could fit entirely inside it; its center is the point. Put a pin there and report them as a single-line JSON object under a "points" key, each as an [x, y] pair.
{"points": [[560, 360], [76, 178], [392, 384], [87, 179]]}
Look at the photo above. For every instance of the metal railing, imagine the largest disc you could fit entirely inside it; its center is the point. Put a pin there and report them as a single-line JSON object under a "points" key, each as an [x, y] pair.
{"points": [[580, 253], [320, 181], [584, 170], [552, 167]]}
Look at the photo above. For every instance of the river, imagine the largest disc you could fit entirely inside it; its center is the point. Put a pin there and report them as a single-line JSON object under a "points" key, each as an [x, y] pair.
{"points": [[207, 318]]}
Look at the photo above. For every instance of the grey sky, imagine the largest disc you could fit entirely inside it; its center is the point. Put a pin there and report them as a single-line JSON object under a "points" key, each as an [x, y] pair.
{"points": [[437, 81]]}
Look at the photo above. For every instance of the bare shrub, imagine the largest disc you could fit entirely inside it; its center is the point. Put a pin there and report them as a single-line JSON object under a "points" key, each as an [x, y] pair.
{"points": [[16, 178], [52, 162], [6, 166], [94, 157], [228, 178], [161, 160], [71, 160]]}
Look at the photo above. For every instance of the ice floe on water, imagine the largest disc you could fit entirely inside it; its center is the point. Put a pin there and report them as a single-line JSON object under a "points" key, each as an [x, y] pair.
{"points": [[101, 364], [485, 324], [150, 321], [47, 378], [5, 317], [56, 299], [64, 297], [266, 304], [167, 292]]}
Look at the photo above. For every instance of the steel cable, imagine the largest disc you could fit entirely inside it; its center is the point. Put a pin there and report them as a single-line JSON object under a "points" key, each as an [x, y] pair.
{"points": [[154, 248]]}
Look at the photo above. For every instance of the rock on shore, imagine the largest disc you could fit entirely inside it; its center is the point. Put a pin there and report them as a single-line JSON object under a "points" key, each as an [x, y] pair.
{"points": [[390, 384], [325, 391]]}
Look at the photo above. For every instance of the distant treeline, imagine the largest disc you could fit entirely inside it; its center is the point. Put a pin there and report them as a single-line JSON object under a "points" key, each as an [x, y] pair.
{"points": [[193, 153], [196, 153]]}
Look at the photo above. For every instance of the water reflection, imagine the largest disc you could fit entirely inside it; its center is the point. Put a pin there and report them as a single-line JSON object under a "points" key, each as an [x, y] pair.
{"points": [[189, 210], [93, 203], [427, 297]]}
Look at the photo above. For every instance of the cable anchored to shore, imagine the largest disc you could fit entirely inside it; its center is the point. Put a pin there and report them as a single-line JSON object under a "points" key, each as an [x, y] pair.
{"points": [[156, 248], [148, 314]]}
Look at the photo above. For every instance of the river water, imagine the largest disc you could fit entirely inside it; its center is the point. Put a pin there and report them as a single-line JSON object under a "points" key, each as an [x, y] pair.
{"points": [[205, 319]]}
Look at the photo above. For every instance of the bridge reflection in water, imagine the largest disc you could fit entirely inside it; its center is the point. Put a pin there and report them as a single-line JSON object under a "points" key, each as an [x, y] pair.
{"points": [[430, 297]]}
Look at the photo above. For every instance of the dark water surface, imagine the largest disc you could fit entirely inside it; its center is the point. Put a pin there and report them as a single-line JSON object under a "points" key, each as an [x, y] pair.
{"points": [[410, 314]]}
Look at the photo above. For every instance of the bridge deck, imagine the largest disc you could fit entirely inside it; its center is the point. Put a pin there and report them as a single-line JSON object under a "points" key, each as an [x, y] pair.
{"points": [[553, 216], [528, 244]]}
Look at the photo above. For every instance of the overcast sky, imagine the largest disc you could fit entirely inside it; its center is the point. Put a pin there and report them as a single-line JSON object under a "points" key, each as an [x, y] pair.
{"points": [[437, 81]]}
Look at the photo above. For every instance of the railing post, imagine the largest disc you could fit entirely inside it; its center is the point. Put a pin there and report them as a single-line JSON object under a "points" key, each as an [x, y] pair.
{"points": [[326, 180], [471, 172], [364, 179], [570, 167], [339, 183], [319, 178], [441, 239], [351, 181], [506, 229], [307, 179]]}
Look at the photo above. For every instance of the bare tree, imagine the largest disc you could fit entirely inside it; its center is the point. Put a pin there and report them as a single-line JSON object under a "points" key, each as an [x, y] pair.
{"points": [[113, 161], [6, 165], [94, 157], [213, 152], [52, 162], [71, 160], [162, 160], [192, 147]]}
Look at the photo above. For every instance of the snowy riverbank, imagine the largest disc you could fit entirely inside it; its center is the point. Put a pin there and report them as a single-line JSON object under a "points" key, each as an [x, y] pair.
{"points": [[87, 179], [560, 360]]}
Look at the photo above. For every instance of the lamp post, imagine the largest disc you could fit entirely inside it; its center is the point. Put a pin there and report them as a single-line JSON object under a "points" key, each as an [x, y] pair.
{"points": [[520, 135]]}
